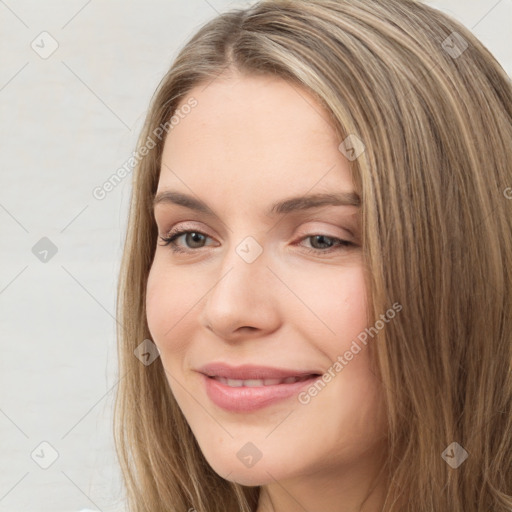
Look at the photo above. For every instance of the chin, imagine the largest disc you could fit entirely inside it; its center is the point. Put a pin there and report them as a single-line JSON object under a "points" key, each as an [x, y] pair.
{"points": [[232, 468], [248, 478]]}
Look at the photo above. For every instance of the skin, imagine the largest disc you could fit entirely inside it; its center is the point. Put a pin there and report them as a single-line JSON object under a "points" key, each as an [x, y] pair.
{"points": [[249, 142]]}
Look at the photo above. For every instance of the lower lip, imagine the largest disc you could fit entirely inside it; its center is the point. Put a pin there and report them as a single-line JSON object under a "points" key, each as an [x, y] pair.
{"points": [[246, 399]]}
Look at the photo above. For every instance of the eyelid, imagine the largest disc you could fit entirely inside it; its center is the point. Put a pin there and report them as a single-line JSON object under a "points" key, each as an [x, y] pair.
{"points": [[185, 225], [341, 243], [332, 232], [303, 231]]}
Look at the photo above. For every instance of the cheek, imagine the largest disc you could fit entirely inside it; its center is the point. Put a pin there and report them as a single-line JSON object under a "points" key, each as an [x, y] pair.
{"points": [[353, 312], [169, 303], [337, 302]]}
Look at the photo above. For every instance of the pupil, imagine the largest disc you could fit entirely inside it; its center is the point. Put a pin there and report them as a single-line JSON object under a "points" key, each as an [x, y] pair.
{"points": [[194, 237], [322, 239]]}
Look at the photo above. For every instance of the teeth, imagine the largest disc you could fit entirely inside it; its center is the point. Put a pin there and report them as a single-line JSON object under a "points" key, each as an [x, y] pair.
{"points": [[234, 383], [266, 382], [254, 383]]}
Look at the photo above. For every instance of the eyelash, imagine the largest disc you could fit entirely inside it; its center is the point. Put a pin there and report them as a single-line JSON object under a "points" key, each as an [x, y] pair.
{"points": [[170, 240]]}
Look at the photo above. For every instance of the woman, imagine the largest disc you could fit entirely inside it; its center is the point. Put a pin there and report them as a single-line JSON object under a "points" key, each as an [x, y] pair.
{"points": [[315, 294]]}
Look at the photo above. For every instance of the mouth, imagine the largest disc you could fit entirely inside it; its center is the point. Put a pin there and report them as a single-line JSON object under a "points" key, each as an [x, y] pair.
{"points": [[248, 395], [256, 383], [249, 372]]}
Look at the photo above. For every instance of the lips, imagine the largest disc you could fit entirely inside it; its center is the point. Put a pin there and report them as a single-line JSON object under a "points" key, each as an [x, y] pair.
{"points": [[252, 372], [249, 388], [253, 383]]}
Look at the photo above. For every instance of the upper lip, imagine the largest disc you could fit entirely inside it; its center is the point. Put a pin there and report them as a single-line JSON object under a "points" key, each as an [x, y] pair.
{"points": [[248, 371]]}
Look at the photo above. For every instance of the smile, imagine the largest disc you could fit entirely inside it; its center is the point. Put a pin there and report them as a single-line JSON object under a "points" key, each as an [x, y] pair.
{"points": [[236, 395], [254, 383]]}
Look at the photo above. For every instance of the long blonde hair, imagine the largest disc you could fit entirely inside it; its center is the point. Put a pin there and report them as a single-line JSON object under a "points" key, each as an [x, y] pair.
{"points": [[434, 110]]}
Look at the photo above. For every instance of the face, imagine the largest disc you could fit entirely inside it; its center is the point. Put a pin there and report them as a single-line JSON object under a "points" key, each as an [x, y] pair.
{"points": [[261, 294]]}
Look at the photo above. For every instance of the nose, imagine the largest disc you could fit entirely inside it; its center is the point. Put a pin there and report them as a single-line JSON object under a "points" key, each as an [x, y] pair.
{"points": [[243, 300]]}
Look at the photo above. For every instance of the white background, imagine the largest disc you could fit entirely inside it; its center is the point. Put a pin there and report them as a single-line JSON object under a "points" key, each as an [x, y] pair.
{"points": [[66, 124]]}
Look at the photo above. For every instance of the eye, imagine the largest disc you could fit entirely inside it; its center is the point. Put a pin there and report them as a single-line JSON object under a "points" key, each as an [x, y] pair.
{"points": [[192, 236], [334, 244], [195, 240]]}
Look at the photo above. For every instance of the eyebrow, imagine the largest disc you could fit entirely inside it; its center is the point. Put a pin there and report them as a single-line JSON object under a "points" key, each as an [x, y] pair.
{"points": [[300, 203]]}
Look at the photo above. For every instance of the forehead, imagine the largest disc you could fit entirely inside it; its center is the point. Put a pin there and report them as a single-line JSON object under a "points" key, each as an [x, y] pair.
{"points": [[253, 136]]}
